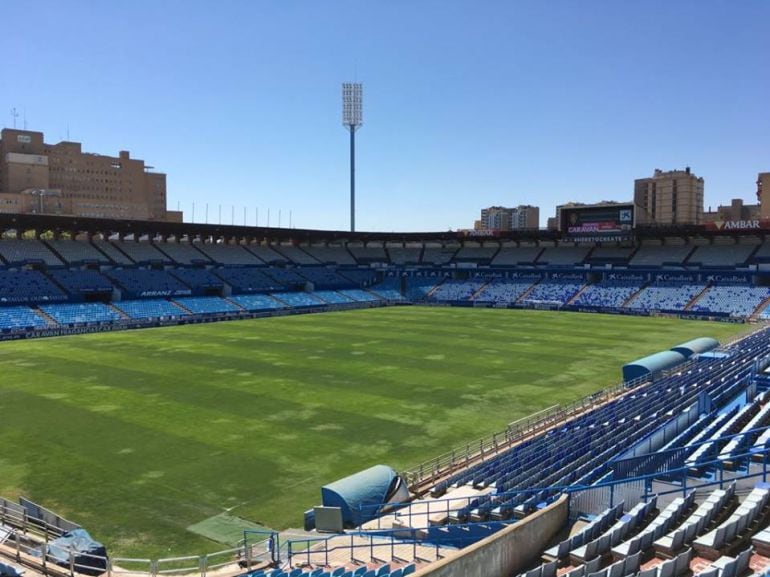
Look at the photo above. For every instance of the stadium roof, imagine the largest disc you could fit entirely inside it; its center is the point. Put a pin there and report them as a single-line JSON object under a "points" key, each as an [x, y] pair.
{"points": [[58, 224]]}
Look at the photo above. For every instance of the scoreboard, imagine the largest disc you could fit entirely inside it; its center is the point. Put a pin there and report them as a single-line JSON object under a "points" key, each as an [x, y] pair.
{"points": [[612, 222]]}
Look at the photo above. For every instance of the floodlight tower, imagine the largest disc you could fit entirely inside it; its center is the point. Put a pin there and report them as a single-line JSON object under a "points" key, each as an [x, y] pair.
{"points": [[352, 119]]}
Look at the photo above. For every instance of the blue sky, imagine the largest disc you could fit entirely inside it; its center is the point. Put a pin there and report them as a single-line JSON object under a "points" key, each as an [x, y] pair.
{"points": [[466, 104]]}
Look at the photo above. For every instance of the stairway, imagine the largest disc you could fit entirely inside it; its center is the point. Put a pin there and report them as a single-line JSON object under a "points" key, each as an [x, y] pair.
{"points": [[696, 298]]}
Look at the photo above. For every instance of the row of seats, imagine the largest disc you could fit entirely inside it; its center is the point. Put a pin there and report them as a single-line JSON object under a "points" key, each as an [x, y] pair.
{"points": [[735, 301], [384, 570], [562, 457], [59, 252], [712, 539], [67, 314]]}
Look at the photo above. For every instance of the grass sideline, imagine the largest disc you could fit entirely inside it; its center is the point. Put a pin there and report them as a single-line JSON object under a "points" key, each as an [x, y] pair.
{"points": [[138, 435]]}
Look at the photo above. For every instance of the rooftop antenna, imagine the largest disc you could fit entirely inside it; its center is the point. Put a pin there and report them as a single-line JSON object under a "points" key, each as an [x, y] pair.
{"points": [[25, 118], [14, 115], [352, 119]]}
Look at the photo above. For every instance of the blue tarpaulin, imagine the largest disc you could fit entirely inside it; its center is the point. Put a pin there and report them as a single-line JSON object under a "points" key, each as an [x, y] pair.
{"points": [[367, 489]]}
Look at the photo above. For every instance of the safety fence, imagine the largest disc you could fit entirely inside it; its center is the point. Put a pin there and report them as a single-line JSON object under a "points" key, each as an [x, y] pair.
{"points": [[626, 476], [29, 541], [492, 445], [362, 546]]}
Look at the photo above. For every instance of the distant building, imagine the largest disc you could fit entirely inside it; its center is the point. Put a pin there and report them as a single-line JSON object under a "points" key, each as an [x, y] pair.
{"points": [[734, 211], [36, 177], [763, 194], [502, 218], [671, 197]]}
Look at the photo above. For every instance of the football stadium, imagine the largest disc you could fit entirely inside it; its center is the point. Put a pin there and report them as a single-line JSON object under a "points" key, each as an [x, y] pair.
{"points": [[582, 393], [187, 398]]}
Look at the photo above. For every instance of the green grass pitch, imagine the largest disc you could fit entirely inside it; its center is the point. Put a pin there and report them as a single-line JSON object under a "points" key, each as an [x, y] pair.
{"points": [[139, 435]]}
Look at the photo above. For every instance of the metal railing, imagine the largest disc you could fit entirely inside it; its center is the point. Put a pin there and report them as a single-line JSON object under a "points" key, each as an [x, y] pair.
{"points": [[29, 542], [492, 445]]}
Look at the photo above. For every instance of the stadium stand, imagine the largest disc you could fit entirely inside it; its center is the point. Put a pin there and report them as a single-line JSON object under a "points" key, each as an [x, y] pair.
{"points": [[199, 279], [77, 252], [457, 290], [296, 255], [333, 297], [142, 252], [368, 254], [20, 318], [16, 252], [360, 295], [359, 277], [607, 294], [736, 301], [616, 255], [325, 277], [716, 256], [150, 309], [229, 254], [657, 256], [81, 313], [663, 296], [401, 255], [558, 455], [288, 277], [248, 280], [503, 291], [183, 253], [418, 288], [331, 254], [438, 255], [207, 305], [81, 282], [148, 283], [257, 302], [112, 253], [299, 299], [762, 254], [266, 254], [25, 286], [389, 289], [552, 292], [515, 256], [563, 255], [477, 254]]}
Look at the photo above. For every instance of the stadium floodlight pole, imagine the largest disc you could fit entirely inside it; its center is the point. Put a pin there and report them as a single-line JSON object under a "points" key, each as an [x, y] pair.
{"points": [[352, 119]]}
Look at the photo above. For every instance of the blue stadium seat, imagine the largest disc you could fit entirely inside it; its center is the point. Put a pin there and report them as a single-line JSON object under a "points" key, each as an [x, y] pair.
{"points": [[25, 286], [150, 309], [207, 305], [139, 282], [299, 299], [81, 313], [81, 282], [257, 302], [20, 318]]}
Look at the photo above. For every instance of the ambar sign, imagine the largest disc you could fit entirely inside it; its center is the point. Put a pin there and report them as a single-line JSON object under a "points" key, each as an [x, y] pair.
{"points": [[755, 224]]}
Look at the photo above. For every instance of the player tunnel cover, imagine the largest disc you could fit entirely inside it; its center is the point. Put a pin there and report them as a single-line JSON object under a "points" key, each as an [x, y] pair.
{"points": [[360, 494]]}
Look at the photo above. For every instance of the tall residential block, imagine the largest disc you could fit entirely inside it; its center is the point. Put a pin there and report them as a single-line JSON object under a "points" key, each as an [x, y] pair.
{"points": [[669, 197], [41, 178], [503, 218]]}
